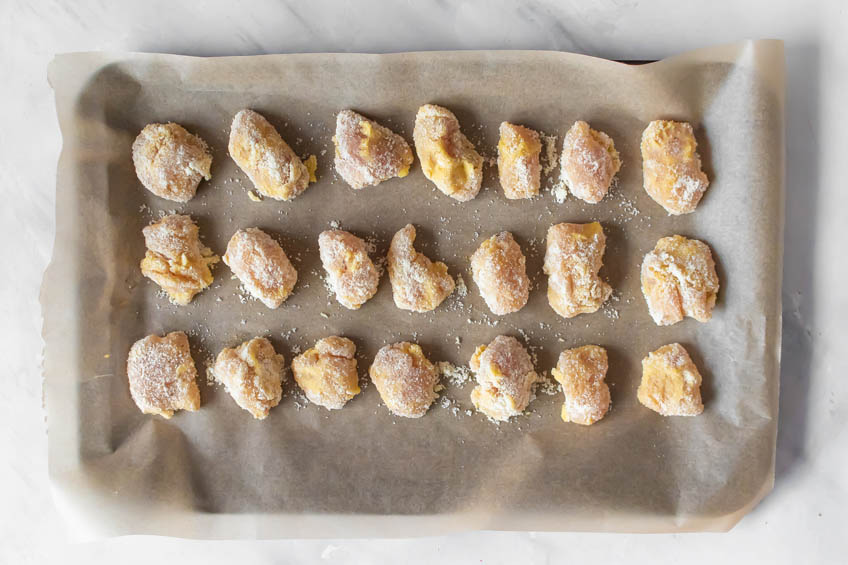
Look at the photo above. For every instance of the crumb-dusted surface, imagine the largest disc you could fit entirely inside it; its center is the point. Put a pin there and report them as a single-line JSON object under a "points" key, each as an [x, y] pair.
{"points": [[170, 162], [262, 266], [519, 169], [405, 378], [679, 279], [447, 157], [589, 162], [505, 378], [253, 374], [671, 166], [367, 153], [259, 150], [574, 254], [176, 260], [418, 283], [327, 372], [162, 375], [498, 267], [671, 383], [581, 372], [350, 271]]}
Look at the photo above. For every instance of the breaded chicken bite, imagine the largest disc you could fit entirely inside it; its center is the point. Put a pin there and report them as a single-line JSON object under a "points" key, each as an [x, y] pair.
{"points": [[175, 258], [582, 371], [162, 375], [506, 377], [679, 279], [498, 269], [253, 375], [447, 157], [671, 383], [573, 257], [518, 161], [170, 162], [327, 372], [272, 166], [671, 166], [350, 272], [418, 284], [368, 153], [405, 379], [261, 265], [589, 162]]}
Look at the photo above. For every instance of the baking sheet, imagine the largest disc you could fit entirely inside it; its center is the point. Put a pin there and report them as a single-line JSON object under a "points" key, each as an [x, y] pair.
{"points": [[307, 472]]}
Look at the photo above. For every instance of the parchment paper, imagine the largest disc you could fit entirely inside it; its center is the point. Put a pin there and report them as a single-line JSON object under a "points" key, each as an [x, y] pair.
{"points": [[307, 472]]}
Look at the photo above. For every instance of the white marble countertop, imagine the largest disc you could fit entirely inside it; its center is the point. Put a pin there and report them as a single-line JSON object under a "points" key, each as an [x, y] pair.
{"points": [[802, 520]]}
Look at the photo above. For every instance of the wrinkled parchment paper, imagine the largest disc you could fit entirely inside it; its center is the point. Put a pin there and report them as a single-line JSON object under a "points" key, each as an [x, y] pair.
{"points": [[307, 472]]}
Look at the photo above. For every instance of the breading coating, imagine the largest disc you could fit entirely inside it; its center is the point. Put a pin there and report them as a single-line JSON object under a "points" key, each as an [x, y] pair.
{"points": [[405, 379], [518, 161], [671, 383], [162, 375], [253, 375], [589, 162], [368, 153], [261, 265], [573, 257], [350, 272], [671, 166], [582, 371], [170, 162], [327, 372], [498, 268], [679, 279], [505, 377], [447, 157], [418, 284], [175, 258]]}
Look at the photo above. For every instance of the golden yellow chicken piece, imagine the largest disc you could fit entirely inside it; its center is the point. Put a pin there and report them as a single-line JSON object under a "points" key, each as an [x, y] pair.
{"points": [[518, 161], [350, 272], [679, 279], [418, 284], [368, 153], [582, 371], [506, 377], [573, 257], [272, 166], [405, 379], [162, 375], [327, 372], [261, 265], [671, 383], [498, 268], [671, 166], [170, 162], [175, 258], [253, 375], [589, 162], [447, 157]]}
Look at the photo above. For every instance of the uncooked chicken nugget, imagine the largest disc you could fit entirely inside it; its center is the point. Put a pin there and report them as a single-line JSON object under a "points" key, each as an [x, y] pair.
{"points": [[252, 374], [506, 377], [170, 162], [261, 265], [679, 279], [581, 371], [162, 375], [327, 372], [671, 166], [175, 258], [259, 150], [518, 161], [405, 379], [573, 257], [351, 274], [418, 284], [671, 383], [589, 162], [447, 158], [368, 153], [498, 269]]}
